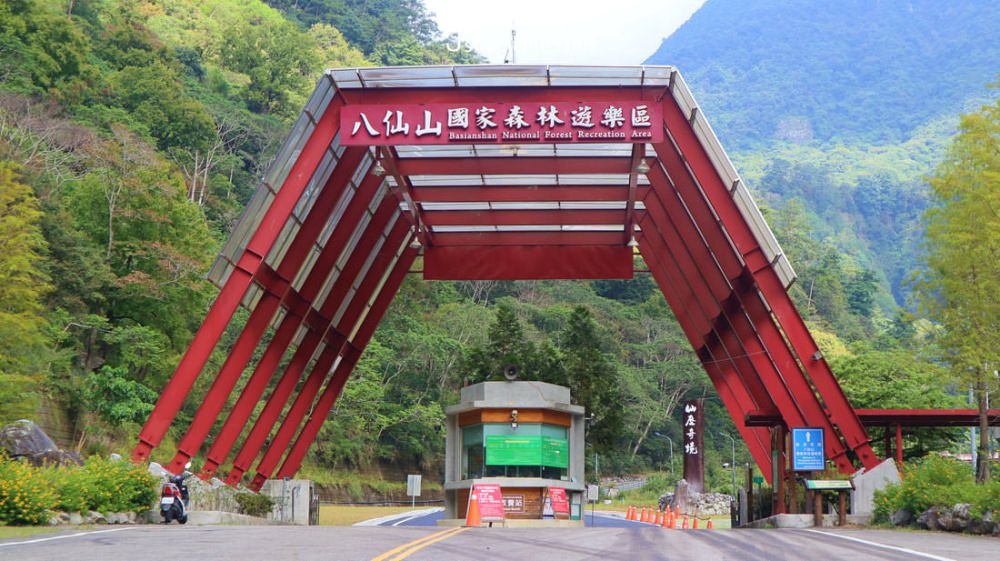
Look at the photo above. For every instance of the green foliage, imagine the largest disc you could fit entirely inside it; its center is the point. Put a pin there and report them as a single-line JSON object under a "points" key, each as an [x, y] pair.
{"points": [[960, 285], [808, 70], [254, 504], [936, 481], [111, 394], [102, 485], [25, 494]]}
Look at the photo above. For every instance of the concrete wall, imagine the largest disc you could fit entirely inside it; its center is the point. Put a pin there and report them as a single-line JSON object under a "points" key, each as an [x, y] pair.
{"points": [[294, 500]]}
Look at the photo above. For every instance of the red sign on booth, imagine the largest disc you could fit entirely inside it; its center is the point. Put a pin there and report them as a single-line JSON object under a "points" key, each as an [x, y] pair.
{"points": [[490, 500], [560, 504], [500, 123]]}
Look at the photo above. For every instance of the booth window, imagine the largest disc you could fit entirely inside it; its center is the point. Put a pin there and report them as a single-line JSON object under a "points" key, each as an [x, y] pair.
{"points": [[530, 450]]}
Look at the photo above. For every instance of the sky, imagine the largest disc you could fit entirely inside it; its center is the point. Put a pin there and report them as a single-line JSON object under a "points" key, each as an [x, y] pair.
{"points": [[589, 32]]}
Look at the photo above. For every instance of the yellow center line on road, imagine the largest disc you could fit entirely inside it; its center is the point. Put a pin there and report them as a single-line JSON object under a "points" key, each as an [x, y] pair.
{"points": [[409, 548]]}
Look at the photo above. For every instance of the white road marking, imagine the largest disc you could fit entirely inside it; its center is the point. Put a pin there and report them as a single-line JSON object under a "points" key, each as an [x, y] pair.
{"points": [[38, 540], [883, 546], [408, 515]]}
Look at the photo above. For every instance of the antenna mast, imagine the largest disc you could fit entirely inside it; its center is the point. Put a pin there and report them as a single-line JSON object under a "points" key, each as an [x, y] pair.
{"points": [[510, 57]]}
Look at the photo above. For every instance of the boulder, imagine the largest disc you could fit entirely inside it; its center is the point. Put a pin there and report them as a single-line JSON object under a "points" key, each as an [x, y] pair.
{"points": [[946, 521], [984, 525], [928, 519], [701, 504], [24, 439], [901, 517], [75, 518], [960, 517], [95, 517]]}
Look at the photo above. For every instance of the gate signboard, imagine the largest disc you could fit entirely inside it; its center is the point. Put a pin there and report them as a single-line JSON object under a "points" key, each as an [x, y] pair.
{"points": [[807, 449], [513, 122], [490, 501], [560, 504]]}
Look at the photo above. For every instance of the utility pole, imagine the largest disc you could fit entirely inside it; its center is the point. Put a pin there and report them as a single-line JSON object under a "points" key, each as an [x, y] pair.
{"points": [[732, 465], [671, 441]]}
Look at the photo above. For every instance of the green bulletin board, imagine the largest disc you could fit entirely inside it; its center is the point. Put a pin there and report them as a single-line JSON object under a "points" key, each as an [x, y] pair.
{"points": [[528, 450]]}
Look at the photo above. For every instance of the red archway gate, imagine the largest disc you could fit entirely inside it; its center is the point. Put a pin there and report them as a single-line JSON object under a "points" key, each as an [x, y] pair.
{"points": [[493, 172]]}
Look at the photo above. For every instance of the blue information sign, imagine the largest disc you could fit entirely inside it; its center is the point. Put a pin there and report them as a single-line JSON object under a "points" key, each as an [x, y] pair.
{"points": [[807, 449]]}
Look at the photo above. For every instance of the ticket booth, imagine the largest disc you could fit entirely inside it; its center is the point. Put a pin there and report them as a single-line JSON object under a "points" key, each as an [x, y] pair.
{"points": [[526, 437]]}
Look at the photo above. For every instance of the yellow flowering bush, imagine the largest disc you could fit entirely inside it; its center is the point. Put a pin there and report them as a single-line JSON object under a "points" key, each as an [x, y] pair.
{"points": [[103, 485], [25, 495], [936, 481]]}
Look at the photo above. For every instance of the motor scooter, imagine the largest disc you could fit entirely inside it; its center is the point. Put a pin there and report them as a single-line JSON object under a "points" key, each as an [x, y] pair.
{"points": [[174, 498]]}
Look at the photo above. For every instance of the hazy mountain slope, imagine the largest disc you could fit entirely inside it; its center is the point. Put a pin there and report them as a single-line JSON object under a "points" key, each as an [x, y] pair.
{"points": [[852, 70]]}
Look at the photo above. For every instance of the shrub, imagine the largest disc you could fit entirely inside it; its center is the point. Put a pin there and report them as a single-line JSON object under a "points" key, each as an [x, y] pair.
{"points": [[253, 504], [936, 481], [103, 485], [25, 495]]}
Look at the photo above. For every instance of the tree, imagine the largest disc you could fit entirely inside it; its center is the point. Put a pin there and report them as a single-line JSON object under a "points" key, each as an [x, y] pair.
{"points": [[960, 285], [592, 378], [22, 287], [506, 347]]}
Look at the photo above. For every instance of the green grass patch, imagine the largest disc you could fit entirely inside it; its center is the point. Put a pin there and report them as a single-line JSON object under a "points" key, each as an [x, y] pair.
{"points": [[340, 515]]}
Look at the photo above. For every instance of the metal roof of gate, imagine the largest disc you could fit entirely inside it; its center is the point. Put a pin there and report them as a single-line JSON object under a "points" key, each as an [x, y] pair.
{"points": [[600, 198]]}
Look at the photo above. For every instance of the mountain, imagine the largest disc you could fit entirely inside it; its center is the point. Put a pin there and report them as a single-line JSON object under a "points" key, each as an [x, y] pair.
{"points": [[845, 106], [846, 71]]}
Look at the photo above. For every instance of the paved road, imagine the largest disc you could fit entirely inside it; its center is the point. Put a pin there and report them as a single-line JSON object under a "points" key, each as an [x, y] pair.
{"points": [[415, 543], [599, 520]]}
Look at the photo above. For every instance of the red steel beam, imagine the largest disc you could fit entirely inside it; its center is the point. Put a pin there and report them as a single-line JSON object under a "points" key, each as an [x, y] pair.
{"points": [[390, 159], [522, 217], [527, 238], [731, 391], [298, 305], [352, 352], [526, 193], [307, 347], [786, 391], [717, 193], [512, 166], [276, 284], [229, 298], [760, 335], [527, 262], [327, 359], [667, 246], [638, 152]]}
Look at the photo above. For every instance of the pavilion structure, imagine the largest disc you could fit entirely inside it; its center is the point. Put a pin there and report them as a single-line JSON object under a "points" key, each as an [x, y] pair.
{"points": [[493, 172]]}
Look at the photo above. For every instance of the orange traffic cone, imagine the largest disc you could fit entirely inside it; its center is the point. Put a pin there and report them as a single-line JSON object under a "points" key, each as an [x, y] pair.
{"points": [[684, 523], [694, 523], [472, 519], [709, 525], [673, 522], [645, 515], [659, 518], [628, 513], [665, 523], [677, 512]]}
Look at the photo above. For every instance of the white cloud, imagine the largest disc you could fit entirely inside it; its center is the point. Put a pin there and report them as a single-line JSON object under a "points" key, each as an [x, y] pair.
{"points": [[589, 32]]}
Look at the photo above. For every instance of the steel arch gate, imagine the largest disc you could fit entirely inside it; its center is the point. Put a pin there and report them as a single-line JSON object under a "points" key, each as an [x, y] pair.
{"points": [[349, 204]]}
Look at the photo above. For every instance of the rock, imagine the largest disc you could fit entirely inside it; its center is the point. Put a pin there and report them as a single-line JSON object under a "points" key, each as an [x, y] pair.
{"points": [[947, 521], [702, 504], [982, 526], [901, 517], [54, 520], [130, 518], [928, 520], [75, 518], [24, 439], [116, 518], [960, 517], [95, 517]]}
